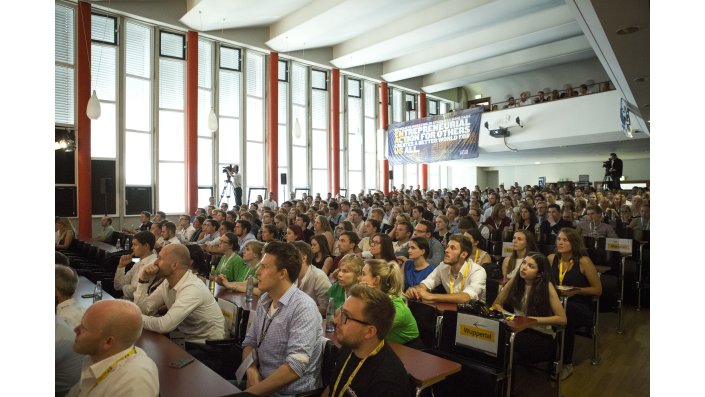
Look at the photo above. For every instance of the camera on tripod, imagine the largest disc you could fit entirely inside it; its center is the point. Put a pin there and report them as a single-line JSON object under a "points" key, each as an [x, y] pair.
{"points": [[605, 164], [229, 170]]}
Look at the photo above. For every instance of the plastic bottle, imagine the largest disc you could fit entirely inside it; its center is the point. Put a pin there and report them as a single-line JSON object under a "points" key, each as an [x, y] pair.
{"points": [[249, 290], [211, 283], [118, 245], [330, 316], [98, 291], [127, 244]]}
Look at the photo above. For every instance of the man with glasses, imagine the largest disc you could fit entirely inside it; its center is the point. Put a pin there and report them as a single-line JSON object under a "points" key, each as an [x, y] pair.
{"points": [[282, 350], [185, 230], [593, 225], [424, 229], [541, 211], [367, 366]]}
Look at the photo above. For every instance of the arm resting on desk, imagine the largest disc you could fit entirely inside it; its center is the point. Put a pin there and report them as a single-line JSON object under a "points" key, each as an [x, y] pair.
{"points": [[421, 292], [187, 299]]}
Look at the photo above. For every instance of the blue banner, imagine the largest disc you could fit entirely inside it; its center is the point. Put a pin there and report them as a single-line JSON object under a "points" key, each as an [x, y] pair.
{"points": [[451, 136]]}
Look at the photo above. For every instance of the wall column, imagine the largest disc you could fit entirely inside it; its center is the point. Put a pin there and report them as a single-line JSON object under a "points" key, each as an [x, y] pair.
{"points": [[424, 167], [272, 127], [335, 131], [191, 115], [385, 125], [83, 123]]}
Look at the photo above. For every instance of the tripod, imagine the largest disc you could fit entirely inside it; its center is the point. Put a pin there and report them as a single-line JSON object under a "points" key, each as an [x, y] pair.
{"points": [[229, 189], [607, 182]]}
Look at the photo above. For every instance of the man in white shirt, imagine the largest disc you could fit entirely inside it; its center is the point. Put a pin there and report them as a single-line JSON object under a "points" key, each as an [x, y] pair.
{"points": [[65, 283], [237, 183], [67, 363], [312, 280], [191, 306], [269, 202], [358, 223], [462, 279], [185, 230], [114, 366], [403, 234], [142, 248], [169, 233], [210, 228]]}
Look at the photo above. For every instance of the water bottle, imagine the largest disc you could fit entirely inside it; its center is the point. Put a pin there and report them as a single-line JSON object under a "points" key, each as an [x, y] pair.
{"points": [[330, 316], [250, 288], [211, 283], [118, 245], [98, 291], [127, 244]]}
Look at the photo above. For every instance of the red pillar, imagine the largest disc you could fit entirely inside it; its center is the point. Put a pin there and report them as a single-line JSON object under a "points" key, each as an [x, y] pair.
{"points": [[385, 125], [191, 116], [83, 123], [335, 131], [424, 167], [272, 125]]}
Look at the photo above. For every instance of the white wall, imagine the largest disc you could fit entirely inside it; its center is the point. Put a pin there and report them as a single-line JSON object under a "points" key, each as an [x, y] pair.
{"points": [[638, 169]]}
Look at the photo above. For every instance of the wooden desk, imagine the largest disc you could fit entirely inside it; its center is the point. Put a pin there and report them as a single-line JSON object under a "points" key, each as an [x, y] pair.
{"points": [[237, 298], [195, 379], [108, 248], [86, 286]]}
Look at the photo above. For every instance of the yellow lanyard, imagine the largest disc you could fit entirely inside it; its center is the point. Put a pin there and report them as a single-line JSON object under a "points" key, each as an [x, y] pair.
{"points": [[111, 368], [477, 252], [359, 365], [464, 274], [561, 273]]}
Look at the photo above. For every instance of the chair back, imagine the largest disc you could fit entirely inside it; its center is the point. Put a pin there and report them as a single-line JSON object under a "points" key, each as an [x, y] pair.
{"points": [[425, 316], [230, 313]]}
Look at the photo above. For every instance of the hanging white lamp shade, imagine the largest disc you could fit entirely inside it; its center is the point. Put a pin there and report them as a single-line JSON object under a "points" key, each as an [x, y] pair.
{"points": [[297, 128], [212, 120], [93, 108]]}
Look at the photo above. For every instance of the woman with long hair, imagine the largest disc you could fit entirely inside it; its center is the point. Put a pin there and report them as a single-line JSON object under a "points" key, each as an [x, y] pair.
{"points": [[294, 233], [522, 242], [349, 270], [387, 277], [281, 222], [442, 233], [251, 256], [66, 233], [572, 267], [381, 247], [481, 257], [321, 253], [268, 233], [322, 226], [416, 268], [526, 220], [532, 294]]}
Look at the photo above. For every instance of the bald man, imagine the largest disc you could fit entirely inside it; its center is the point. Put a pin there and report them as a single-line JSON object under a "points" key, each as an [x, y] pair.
{"points": [[114, 366], [192, 308]]}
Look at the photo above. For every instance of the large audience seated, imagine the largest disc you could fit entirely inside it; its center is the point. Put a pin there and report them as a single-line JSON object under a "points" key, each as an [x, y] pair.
{"points": [[406, 245]]}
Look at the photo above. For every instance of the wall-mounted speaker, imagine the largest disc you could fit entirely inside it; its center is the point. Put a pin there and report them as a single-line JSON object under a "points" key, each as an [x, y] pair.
{"points": [[283, 178]]}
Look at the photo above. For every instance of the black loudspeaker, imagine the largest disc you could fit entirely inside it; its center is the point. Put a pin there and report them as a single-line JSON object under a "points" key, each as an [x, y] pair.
{"points": [[283, 179], [391, 174], [103, 187], [409, 106]]}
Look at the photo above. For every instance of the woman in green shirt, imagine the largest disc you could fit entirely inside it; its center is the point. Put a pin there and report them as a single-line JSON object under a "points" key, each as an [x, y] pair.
{"points": [[251, 256], [230, 267], [387, 276], [349, 267]]}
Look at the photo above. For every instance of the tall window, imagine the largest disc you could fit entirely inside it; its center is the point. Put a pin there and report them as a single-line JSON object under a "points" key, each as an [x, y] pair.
{"points": [[434, 176], [254, 132], [229, 120], [64, 64], [355, 136], [172, 65], [205, 135], [299, 118], [370, 136], [444, 107], [319, 132], [138, 105], [283, 143], [433, 107], [104, 82], [397, 106]]}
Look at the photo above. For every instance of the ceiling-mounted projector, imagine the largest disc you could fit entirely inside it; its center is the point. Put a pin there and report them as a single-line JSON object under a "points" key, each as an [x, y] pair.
{"points": [[499, 132]]}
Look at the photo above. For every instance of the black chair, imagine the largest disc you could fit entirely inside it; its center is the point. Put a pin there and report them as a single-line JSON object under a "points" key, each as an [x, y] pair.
{"points": [[427, 321], [592, 331], [330, 356]]}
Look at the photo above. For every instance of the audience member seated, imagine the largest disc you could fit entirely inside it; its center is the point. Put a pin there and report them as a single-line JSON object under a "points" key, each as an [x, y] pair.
{"points": [[145, 222], [553, 223], [347, 242], [388, 278], [349, 270], [185, 230], [230, 266], [294, 233], [169, 233], [593, 226], [142, 248], [524, 99], [251, 256], [417, 268], [641, 224], [198, 226], [510, 103], [442, 232], [283, 346], [191, 307], [462, 279], [65, 283], [65, 233], [403, 232], [367, 365], [372, 227], [322, 226], [106, 223], [522, 242], [210, 228], [243, 231], [156, 230], [67, 363], [532, 294], [114, 366], [311, 279], [570, 251]]}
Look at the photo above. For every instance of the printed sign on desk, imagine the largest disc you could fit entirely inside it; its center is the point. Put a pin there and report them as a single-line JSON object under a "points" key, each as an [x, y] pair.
{"points": [[623, 245], [507, 249], [478, 333]]}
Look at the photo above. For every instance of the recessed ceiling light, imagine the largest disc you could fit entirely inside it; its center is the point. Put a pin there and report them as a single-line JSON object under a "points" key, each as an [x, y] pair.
{"points": [[628, 30], [537, 162]]}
